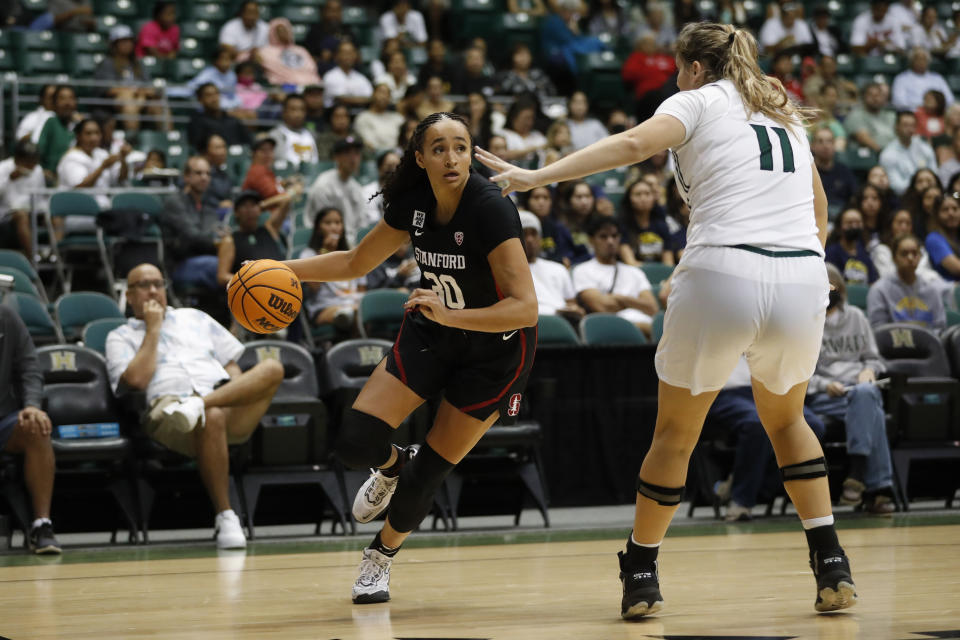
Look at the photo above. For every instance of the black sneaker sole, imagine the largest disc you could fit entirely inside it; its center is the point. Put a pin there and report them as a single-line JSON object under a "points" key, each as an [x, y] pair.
{"points": [[49, 550], [843, 597], [372, 598], [641, 609]]}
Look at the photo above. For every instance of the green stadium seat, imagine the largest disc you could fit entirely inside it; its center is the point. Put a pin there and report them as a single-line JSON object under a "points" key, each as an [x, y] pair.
{"points": [[600, 78], [22, 282], [199, 29], [380, 313], [7, 63], [176, 156], [209, 11], [656, 328], [106, 22], [34, 314], [83, 65], [75, 310], [183, 69], [953, 318], [609, 329], [299, 241], [519, 27], [363, 231], [146, 202], [555, 330], [299, 14], [846, 64], [123, 9], [887, 64], [38, 63], [153, 65], [857, 295], [656, 272], [94, 335], [34, 6], [83, 43], [861, 159], [24, 40], [18, 261]]}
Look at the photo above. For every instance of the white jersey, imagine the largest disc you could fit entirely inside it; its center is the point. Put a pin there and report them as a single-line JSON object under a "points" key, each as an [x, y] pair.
{"points": [[747, 180]]}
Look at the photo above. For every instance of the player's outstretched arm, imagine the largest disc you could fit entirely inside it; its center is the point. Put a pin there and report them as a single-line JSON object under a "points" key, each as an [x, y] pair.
{"points": [[382, 241], [517, 309], [636, 145]]}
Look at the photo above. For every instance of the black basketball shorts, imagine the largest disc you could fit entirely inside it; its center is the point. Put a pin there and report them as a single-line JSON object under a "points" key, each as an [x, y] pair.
{"points": [[478, 373]]}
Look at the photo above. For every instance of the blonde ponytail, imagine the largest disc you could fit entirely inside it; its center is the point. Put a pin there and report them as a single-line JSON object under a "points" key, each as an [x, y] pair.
{"points": [[729, 53]]}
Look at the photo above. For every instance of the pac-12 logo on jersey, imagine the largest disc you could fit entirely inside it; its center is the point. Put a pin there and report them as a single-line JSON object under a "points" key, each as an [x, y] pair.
{"points": [[513, 407], [458, 237], [419, 217]]}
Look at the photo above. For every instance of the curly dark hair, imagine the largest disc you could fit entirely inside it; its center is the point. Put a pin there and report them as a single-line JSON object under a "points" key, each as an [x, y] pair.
{"points": [[409, 175]]}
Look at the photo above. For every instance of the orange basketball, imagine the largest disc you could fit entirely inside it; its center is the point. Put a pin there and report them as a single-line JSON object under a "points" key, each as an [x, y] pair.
{"points": [[264, 296]]}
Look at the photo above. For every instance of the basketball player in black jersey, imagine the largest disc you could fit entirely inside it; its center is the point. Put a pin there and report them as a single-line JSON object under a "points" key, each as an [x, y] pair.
{"points": [[468, 331]]}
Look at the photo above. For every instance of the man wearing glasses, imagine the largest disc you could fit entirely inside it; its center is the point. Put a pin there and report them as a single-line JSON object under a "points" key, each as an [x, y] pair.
{"points": [[199, 401]]}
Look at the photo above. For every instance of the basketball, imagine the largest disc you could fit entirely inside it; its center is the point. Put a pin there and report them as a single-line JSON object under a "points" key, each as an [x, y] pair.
{"points": [[264, 296]]}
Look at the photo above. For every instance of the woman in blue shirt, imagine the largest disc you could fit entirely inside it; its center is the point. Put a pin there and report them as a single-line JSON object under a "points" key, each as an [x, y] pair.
{"points": [[847, 249], [943, 241]]}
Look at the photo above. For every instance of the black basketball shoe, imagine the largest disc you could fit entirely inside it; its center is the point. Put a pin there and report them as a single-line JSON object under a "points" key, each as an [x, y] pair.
{"points": [[641, 589], [835, 588]]}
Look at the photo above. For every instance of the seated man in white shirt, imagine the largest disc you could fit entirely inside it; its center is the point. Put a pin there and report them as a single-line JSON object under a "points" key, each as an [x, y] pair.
{"points": [[910, 85], [32, 124], [906, 154], [605, 286], [295, 143], [785, 31], [198, 399], [551, 280], [404, 23], [19, 175], [877, 31], [344, 84], [246, 33]]}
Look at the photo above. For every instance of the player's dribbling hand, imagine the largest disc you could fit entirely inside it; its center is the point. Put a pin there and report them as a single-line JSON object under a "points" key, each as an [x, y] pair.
{"points": [[427, 302], [509, 178]]}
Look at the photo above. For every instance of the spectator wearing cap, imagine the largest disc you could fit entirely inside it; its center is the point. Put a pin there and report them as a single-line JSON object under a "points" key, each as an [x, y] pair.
{"points": [[785, 31], [338, 187], [251, 240], [246, 33], [284, 62], [192, 230], [160, 37], [551, 280], [343, 83], [72, 15], [295, 143], [378, 126], [213, 119], [126, 77], [262, 180], [19, 176]]}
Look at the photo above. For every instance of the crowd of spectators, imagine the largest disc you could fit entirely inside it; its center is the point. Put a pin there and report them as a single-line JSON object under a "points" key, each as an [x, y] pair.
{"points": [[318, 126]]}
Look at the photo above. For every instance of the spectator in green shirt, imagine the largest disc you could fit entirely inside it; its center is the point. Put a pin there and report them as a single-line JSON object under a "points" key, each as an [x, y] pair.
{"points": [[56, 137]]}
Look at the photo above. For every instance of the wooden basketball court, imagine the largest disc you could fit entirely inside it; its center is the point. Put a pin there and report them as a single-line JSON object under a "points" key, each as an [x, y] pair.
{"points": [[735, 585]]}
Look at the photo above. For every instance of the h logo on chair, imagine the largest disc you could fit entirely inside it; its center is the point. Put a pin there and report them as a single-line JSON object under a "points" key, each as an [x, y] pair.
{"points": [[268, 353], [63, 361], [370, 355], [902, 338]]}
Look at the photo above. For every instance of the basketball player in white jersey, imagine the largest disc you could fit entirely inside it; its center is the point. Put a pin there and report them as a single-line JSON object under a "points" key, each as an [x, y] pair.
{"points": [[752, 280]]}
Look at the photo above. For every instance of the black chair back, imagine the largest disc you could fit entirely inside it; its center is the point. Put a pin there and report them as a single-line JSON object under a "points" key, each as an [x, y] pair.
{"points": [[911, 350], [76, 389], [299, 372], [351, 362]]}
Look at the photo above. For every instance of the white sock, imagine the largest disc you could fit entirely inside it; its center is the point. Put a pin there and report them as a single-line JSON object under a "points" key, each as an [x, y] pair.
{"points": [[225, 512], [812, 523], [640, 544], [40, 521]]}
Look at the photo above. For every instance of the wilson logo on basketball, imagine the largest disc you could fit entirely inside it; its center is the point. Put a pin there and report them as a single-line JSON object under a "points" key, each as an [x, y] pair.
{"points": [[513, 407], [281, 305]]}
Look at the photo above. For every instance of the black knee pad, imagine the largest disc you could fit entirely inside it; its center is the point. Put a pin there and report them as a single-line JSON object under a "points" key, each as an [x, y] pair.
{"points": [[816, 468], [664, 496], [364, 441], [419, 481]]}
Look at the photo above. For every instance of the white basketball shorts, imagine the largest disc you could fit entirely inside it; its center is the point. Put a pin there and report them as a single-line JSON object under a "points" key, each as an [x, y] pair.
{"points": [[725, 302]]}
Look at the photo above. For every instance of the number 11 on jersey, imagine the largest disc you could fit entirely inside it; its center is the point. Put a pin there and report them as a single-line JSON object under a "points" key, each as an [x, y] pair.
{"points": [[766, 147]]}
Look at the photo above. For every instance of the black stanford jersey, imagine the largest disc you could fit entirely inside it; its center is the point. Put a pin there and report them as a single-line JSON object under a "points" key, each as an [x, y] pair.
{"points": [[453, 257]]}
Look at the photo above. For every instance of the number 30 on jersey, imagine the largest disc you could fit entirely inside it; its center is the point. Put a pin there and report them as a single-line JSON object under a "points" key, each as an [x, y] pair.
{"points": [[447, 289]]}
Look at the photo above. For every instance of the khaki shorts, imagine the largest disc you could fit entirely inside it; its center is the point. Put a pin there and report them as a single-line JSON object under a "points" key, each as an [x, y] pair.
{"points": [[162, 428]]}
